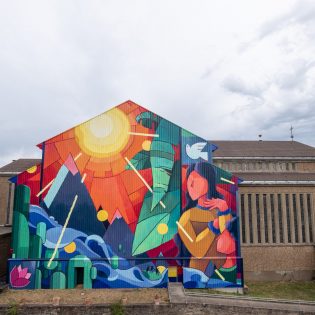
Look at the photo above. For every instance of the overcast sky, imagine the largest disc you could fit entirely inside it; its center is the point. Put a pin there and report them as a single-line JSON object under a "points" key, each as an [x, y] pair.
{"points": [[221, 69]]}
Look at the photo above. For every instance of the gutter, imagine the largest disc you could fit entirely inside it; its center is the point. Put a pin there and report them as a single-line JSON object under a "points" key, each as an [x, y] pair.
{"points": [[287, 158], [278, 182]]}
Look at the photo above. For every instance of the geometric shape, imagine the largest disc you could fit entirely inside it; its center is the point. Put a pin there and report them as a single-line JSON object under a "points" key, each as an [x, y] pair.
{"points": [[70, 164], [70, 248], [160, 268], [19, 278], [102, 215], [162, 228], [84, 217], [32, 169], [95, 137], [146, 145], [54, 189]]}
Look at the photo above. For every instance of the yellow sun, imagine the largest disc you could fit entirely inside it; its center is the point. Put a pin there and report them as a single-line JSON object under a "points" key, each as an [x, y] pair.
{"points": [[104, 135], [32, 169]]}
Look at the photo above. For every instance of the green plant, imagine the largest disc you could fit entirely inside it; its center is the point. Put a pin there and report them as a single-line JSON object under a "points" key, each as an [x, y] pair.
{"points": [[12, 309], [117, 309]]}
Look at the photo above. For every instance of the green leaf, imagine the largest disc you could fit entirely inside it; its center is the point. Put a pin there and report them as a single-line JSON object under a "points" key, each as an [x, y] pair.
{"points": [[147, 119], [140, 161], [147, 235]]}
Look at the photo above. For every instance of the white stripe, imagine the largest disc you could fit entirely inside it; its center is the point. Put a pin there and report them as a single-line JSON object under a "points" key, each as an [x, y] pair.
{"points": [[143, 180], [48, 185], [78, 156], [154, 135], [228, 181], [62, 231], [184, 231], [83, 177]]}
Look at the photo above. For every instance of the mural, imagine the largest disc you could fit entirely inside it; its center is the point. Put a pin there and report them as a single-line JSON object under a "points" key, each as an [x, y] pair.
{"points": [[125, 200]]}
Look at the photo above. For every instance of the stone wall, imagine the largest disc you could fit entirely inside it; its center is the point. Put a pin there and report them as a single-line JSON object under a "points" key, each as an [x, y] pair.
{"points": [[5, 244], [144, 309], [279, 262], [4, 193]]}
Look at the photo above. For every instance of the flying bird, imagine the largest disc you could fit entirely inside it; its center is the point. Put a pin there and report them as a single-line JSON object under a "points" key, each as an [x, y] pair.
{"points": [[195, 151]]}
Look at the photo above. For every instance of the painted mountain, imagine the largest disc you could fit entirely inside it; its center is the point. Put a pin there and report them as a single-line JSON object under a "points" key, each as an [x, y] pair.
{"points": [[60, 198]]}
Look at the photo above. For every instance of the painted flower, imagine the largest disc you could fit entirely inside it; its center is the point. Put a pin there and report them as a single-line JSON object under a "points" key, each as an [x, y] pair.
{"points": [[19, 277]]}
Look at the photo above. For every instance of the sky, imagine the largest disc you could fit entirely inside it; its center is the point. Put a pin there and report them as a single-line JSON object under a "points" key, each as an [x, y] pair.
{"points": [[225, 70]]}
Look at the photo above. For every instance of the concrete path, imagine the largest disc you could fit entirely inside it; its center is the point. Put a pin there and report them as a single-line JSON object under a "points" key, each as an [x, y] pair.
{"points": [[177, 294]]}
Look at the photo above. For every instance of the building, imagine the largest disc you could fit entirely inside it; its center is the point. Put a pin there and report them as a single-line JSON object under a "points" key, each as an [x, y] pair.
{"points": [[6, 205], [126, 199], [277, 202]]}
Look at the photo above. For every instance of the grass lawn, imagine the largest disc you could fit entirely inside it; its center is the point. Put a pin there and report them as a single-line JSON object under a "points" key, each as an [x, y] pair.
{"points": [[293, 290], [299, 290]]}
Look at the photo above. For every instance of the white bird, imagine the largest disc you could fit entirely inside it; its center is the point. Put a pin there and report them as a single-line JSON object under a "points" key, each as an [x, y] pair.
{"points": [[195, 151]]}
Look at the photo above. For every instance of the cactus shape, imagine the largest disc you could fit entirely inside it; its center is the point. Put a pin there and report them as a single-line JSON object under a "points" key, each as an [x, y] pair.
{"points": [[48, 255], [20, 231], [58, 280], [114, 261], [41, 231], [35, 250], [38, 279], [80, 261], [36, 241], [93, 273]]}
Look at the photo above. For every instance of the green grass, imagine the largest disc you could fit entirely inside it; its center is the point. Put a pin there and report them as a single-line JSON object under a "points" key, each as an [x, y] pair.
{"points": [[299, 290], [293, 290]]}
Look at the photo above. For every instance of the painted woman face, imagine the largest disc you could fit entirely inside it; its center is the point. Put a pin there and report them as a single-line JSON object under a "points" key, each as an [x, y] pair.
{"points": [[197, 185]]}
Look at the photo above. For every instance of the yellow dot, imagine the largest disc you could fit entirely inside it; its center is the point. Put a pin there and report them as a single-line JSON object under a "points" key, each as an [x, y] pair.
{"points": [[70, 248], [162, 228], [102, 215], [146, 145], [32, 169], [160, 269]]}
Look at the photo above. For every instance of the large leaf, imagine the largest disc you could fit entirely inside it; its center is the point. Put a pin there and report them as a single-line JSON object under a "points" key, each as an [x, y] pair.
{"points": [[140, 161], [162, 162], [148, 119], [147, 235]]}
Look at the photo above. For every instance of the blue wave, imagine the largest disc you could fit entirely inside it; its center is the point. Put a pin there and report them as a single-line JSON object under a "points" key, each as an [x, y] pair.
{"points": [[126, 275], [194, 278], [107, 277]]}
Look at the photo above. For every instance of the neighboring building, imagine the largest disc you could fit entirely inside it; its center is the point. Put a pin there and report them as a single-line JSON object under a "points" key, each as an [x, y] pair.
{"points": [[6, 205], [126, 199], [277, 202], [7, 188]]}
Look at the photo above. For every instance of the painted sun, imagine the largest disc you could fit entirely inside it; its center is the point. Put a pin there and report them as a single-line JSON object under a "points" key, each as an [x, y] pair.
{"points": [[105, 135]]}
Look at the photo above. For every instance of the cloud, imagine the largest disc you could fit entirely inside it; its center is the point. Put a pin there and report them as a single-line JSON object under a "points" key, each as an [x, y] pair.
{"points": [[223, 74], [237, 85]]}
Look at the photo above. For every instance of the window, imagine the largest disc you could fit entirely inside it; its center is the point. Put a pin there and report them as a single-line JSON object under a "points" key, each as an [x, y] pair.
{"points": [[243, 219], [309, 216], [288, 217], [273, 218], [280, 218], [258, 218], [265, 217], [296, 226], [302, 218], [250, 218]]}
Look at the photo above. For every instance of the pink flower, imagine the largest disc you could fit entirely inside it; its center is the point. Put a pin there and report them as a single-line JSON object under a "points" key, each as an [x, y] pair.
{"points": [[19, 277]]}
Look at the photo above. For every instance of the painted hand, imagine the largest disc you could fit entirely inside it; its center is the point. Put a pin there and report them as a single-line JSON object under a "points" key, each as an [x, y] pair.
{"points": [[219, 204]]}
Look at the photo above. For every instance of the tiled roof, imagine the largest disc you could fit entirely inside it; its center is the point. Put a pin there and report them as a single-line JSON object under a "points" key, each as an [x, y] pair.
{"points": [[262, 149], [18, 166]]}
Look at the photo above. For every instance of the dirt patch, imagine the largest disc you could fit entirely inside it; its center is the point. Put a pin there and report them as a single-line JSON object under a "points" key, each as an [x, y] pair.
{"points": [[84, 297]]}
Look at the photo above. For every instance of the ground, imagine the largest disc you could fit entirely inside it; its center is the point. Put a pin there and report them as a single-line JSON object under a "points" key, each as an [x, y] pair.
{"points": [[81, 296], [300, 290], [293, 290]]}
